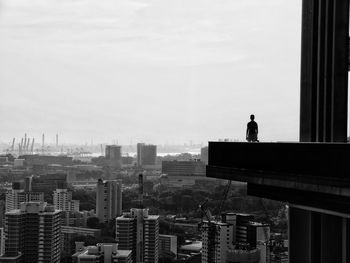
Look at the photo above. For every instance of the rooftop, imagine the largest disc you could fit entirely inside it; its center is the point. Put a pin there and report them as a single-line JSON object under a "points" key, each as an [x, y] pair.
{"points": [[196, 246]]}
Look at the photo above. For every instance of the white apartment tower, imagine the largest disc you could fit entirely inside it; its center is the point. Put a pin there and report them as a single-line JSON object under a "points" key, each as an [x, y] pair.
{"points": [[217, 238], [168, 243], [108, 199], [62, 200], [15, 197], [138, 231], [33, 234]]}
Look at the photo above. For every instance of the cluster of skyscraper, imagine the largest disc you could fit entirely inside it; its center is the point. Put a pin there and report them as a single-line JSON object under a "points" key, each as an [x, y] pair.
{"points": [[235, 238], [35, 231]]}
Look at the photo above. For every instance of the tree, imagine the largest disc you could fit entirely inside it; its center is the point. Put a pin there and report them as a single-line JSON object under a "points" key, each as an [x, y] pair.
{"points": [[88, 241], [93, 222], [108, 229], [87, 199], [106, 239]]}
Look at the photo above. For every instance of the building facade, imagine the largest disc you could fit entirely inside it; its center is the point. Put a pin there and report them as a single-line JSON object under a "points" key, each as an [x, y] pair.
{"points": [[16, 196], [33, 234], [217, 238], [48, 182], [184, 168], [108, 200], [204, 155], [168, 243], [236, 238], [2, 241], [69, 233], [146, 154], [113, 155], [62, 200], [139, 232], [102, 253]]}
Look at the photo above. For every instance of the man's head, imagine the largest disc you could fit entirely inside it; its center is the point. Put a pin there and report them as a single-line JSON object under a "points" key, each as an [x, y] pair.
{"points": [[252, 117]]}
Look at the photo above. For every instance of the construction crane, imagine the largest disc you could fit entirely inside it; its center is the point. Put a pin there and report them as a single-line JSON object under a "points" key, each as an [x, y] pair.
{"points": [[32, 147], [205, 211], [224, 197], [24, 145], [211, 229], [20, 147], [27, 146]]}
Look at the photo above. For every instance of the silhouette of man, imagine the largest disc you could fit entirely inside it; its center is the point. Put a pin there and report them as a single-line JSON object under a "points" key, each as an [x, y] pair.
{"points": [[252, 130]]}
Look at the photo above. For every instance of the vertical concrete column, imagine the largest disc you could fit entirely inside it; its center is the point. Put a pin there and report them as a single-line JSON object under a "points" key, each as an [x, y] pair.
{"points": [[331, 239], [299, 235], [319, 237], [324, 71]]}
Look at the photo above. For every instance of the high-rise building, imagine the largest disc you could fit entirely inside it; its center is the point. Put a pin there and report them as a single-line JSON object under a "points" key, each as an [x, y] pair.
{"points": [[49, 182], [183, 173], [33, 234], [34, 159], [16, 196], [236, 238], [184, 168], [217, 238], [243, 236], [204, 155], [62, 200], [114, 155], [138, 231], [108, 199], [259, 236], [2, 212], [2, 241], [146, 154]]}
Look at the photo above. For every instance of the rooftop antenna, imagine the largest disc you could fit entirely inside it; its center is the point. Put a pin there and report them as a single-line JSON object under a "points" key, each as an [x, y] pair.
{"points": [[56, 141]]}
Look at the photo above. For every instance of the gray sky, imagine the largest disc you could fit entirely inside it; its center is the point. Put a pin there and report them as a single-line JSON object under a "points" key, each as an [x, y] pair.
{"points": [[159, 71]]}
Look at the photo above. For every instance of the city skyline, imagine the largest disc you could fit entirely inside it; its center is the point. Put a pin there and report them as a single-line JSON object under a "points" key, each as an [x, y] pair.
{"points": [[143, 71]]}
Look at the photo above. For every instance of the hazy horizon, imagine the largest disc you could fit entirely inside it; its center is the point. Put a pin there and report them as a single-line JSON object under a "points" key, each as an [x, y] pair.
{"points": [[156, 71]]}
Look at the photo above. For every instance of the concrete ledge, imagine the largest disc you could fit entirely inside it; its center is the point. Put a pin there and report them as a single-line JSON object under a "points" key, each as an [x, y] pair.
{"points": [[290, 181], [324, 161]]}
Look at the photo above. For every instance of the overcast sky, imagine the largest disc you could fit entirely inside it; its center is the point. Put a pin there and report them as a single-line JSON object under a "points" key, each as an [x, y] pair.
{"points": [[158, 71]]}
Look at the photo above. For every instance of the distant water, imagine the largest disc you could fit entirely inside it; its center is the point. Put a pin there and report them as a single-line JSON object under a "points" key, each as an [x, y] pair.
{"points": [[133, 154]]}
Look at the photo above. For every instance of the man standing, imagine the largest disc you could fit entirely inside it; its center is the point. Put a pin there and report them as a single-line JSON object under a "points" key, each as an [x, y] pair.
{"points": [[252, 130]]}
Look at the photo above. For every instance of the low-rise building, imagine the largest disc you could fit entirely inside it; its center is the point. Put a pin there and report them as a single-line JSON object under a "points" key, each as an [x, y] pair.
{"points": [[102, 253], [168, 243], [69, 233]]}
